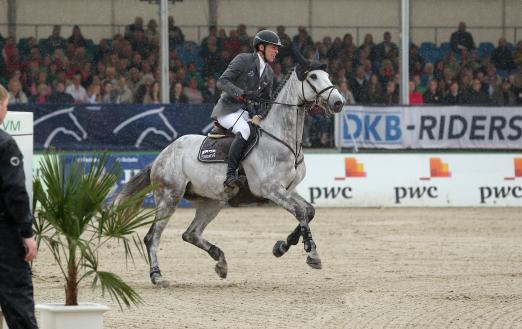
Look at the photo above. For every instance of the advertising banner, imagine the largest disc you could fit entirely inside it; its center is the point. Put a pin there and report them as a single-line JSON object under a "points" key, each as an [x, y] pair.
{"points": [[114, 127], [419, 180], [429, 127], [387, 180]]}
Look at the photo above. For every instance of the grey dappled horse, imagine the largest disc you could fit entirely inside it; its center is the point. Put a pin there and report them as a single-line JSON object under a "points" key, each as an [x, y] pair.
{"points": [[273, 170]]}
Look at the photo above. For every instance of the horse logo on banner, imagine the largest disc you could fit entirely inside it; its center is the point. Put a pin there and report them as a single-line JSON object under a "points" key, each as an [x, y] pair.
{"points": [[66, 123], [161, 127]]}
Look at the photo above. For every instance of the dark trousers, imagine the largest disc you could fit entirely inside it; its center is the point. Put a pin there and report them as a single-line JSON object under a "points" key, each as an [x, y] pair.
{"points": [[16, 284]]}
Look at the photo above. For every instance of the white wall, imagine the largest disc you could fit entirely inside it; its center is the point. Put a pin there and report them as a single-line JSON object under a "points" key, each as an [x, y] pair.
{"points": [[3, 16], [329, 17]]}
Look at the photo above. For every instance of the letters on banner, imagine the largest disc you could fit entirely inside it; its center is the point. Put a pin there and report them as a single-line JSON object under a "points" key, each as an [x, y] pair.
{"points": [[430, 127]]}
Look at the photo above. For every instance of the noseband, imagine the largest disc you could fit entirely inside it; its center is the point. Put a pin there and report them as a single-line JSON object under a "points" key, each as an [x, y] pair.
{"points": [[317, 93]]}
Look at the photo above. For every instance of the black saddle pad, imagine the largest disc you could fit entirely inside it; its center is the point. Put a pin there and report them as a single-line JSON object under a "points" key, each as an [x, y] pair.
{"points": [[216, 150]]}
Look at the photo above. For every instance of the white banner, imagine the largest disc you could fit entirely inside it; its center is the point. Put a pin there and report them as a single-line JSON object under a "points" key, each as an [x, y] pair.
{"points": [[418, 180], [430, 127], [20, 126]]}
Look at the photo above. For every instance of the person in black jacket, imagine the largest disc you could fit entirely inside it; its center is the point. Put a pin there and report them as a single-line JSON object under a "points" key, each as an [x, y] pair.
{"points": [[248, 77], [432, 95], [502, 57], [17, 246], [461, 39], [454, 96], [477, 96], [59, 96]]}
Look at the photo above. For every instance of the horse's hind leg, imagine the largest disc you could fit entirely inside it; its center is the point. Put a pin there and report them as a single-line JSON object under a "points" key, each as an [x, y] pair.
{"points": [[166, 205], [206, 211]]}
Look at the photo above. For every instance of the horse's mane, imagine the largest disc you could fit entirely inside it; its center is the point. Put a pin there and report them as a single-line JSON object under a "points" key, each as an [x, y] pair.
{"points": [[283, 82]]}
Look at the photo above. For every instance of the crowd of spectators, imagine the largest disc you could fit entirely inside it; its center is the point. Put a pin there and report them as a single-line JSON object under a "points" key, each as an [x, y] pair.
{"points": [[125, 69]]}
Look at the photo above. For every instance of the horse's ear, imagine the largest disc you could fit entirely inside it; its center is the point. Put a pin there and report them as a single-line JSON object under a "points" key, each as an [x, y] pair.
{"points": [[300, 58]]}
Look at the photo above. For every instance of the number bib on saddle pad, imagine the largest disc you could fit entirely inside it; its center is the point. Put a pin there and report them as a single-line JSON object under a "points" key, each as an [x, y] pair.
{"points": [[216, 150]]}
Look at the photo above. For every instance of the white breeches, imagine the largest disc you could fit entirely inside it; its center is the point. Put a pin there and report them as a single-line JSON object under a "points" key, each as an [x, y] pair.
{"points": [[238, 121]]}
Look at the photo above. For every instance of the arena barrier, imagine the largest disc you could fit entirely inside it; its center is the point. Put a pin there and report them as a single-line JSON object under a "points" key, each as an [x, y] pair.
{"points": [[387, 180], [20, 126], [413, 180]]}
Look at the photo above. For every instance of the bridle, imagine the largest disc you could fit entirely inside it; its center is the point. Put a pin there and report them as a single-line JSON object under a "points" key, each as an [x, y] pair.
{"points": [[316, 101], [317, 93]]}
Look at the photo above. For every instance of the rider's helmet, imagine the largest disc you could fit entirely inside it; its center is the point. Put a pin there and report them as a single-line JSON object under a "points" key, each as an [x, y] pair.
{"points": [[267, 37]]}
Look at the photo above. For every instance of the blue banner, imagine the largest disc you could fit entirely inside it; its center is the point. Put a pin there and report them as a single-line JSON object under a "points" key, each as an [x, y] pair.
{"points": [[114, 127], [131, 164]]}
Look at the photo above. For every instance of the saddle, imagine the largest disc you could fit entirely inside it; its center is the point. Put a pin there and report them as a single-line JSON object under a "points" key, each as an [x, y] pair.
{"points": [[216, 145]]}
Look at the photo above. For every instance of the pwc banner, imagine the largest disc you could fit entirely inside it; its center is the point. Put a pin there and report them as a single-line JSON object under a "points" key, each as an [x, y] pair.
{"points": [[417, 180], [429, 127]]}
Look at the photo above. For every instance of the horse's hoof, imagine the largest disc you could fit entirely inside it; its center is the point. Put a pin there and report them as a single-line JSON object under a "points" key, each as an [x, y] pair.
{"points": [[159, 282], [163, 284], [221, 270], [314, 263], [280, 248]]}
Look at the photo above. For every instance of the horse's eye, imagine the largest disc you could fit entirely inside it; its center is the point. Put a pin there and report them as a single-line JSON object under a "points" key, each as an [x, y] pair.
{"points": [[313, 76]]}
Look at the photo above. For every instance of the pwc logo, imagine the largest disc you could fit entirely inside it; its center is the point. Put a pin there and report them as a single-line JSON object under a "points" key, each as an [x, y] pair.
{"points": [[492, 194], [518, 169], [352, 168], [438, 169]]}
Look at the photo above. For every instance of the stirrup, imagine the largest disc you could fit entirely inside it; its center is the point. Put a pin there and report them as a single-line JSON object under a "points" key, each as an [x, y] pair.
{"points": [[232, 181], [218, 131]]}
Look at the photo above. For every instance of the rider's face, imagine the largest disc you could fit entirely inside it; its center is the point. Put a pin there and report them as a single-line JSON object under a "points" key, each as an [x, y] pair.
{"points": [[270, 53]]}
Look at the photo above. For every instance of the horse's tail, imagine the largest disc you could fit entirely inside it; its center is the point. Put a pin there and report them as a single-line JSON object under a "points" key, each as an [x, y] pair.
{"points": [[135, 184]]}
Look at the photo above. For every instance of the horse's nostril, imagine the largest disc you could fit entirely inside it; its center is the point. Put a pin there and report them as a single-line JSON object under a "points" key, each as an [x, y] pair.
{"points": [[338, 105]]}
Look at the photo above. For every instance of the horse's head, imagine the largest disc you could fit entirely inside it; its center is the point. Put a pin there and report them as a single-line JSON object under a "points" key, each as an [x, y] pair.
{"points": [[316, 85]]}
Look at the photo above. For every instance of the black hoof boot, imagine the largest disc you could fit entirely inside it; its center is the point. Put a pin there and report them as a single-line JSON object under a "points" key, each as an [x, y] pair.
{"points": [[280, 248]]}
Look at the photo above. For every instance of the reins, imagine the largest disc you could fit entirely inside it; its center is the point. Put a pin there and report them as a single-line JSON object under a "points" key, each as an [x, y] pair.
{"points": [[298, 148]]}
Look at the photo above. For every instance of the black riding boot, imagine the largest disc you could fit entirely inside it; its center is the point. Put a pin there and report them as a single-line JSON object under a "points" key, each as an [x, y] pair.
{"points": [[234, 157]]}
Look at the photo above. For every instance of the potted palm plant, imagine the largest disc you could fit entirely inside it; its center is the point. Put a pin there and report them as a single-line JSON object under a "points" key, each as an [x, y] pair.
{"points": [[74, 220]]}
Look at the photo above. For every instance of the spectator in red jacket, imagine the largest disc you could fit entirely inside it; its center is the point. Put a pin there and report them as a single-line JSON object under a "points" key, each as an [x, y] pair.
{"points": [[415, 96]]}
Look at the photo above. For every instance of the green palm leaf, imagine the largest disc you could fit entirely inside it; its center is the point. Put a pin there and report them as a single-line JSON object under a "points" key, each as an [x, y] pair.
{"points": [[73, 219]]}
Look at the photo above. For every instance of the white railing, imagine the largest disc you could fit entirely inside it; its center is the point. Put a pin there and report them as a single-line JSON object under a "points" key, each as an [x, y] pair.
{"points": [[436, 34]]}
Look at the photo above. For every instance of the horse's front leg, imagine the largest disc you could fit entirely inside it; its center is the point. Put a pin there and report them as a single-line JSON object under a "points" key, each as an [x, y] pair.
{"points": [[281, 246], [303, 212]]}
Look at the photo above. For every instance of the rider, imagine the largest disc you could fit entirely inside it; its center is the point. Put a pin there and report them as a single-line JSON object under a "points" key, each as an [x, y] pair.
{"points": [[247, 78]]}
